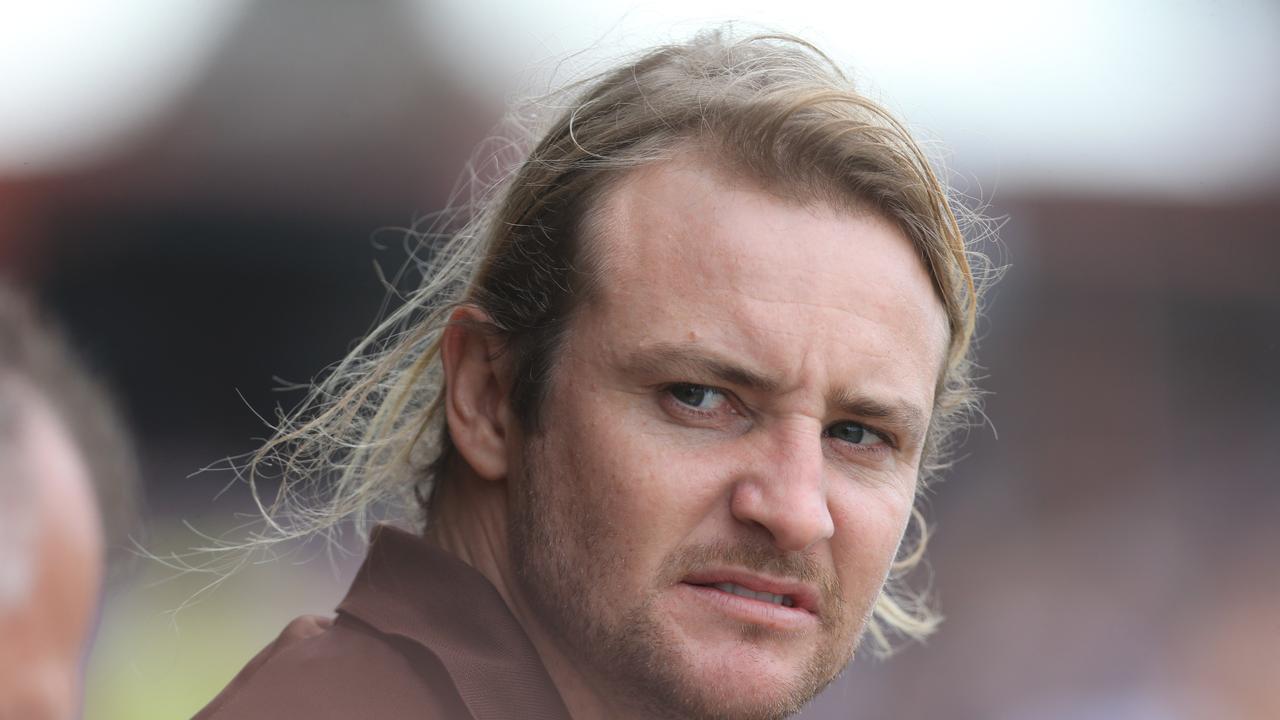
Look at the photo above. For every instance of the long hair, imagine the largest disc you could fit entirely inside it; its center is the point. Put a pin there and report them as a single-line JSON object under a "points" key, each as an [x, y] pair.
{"points": [[369, 440]]}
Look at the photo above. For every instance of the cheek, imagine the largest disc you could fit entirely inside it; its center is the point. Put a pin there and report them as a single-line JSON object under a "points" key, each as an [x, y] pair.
{"points": [[868, 528], [649, 491], [632, 481]]}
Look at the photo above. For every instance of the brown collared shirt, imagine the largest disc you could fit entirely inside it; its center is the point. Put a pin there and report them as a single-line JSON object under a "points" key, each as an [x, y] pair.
{"points": [[420, 635]]}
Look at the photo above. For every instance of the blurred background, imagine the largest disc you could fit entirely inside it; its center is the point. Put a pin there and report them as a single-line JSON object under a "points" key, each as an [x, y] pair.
{"points": [[202, 193]]}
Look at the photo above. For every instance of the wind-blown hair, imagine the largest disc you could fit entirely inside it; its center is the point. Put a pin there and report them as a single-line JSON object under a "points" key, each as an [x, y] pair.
{"points": [[369, 440]]}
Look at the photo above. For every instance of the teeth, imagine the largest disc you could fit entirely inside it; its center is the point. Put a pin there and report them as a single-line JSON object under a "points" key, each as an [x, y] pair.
{"points": [[784, 600]]}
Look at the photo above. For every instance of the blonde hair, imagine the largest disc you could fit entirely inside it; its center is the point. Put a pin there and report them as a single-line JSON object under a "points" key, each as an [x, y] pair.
{"points": [[369, 438]]}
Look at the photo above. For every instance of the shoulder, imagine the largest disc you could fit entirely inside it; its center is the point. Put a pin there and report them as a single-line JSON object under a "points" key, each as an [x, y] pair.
{"points": [[338, 668]]}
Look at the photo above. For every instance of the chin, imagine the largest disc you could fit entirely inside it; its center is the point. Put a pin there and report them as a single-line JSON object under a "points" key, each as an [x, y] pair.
{"points": [[744, 680], [753, 696]]}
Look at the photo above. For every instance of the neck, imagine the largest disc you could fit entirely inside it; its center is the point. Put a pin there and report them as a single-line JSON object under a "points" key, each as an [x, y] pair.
{"points": [[469, 520]]}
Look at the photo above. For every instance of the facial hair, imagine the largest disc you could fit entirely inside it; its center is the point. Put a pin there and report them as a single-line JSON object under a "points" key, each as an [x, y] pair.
{"points": [[563, 545]]}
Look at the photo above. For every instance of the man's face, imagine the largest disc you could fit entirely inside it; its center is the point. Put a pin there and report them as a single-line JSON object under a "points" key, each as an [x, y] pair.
{"points": [[729, 447]]}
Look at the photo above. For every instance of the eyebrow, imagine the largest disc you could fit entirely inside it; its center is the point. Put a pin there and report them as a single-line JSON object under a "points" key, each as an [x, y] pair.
{"points": [[662, 358], [906, 418], [699, 363]]}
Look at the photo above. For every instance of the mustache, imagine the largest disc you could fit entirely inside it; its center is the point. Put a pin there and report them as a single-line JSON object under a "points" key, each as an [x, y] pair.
{"points": [[758, 557]]}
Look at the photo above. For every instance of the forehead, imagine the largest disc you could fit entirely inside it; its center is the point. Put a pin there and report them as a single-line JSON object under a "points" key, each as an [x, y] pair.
{"points": [[689, 253]]}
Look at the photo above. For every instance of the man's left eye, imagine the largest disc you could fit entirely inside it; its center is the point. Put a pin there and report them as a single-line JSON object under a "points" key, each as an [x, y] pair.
{"points": [[697, 397], [855, 433]]}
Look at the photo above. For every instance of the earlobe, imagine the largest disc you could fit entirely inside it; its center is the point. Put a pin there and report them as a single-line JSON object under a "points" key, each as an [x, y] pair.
{"points": [[476, 404]]}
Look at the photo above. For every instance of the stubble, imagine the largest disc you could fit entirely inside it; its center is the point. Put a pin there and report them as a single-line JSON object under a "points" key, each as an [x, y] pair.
{"points": [[566, 550]]}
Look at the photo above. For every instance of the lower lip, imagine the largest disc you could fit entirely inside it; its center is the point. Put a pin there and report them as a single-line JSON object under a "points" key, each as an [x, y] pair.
{"points": [[749, 610]]}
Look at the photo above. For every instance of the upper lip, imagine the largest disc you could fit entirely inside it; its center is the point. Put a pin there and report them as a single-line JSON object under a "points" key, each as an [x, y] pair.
{"points": [[804, 595]]}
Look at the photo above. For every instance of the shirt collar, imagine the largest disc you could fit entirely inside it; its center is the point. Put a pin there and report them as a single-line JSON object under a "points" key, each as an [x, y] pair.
{"points": [[411, 588]]}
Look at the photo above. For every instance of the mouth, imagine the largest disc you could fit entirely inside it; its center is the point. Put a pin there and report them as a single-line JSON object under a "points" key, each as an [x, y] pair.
{"points": [[740, 591], [783, 596]]}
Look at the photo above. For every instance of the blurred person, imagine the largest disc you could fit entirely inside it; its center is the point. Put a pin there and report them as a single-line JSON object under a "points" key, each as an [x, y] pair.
{"points": [[63, 457], [659, 411]]}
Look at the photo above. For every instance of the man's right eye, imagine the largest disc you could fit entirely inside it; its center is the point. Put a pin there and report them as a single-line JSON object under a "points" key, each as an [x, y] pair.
{"points": [[698, 397]]}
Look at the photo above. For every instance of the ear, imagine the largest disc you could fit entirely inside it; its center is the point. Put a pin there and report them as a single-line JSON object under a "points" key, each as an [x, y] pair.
{"points": [[477, 405]]}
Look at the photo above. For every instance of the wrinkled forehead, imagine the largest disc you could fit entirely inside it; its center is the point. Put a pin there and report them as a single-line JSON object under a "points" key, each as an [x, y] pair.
{"points": [[696, 248], [628, 197], [696, 212]]}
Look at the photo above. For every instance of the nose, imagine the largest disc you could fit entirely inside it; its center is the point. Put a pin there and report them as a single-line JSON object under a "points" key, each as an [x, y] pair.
{"points": [[784, 491]]}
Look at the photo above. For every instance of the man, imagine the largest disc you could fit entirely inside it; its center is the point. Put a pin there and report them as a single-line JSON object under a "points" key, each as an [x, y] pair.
{"points": [[62, 455], [664, 403]]}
